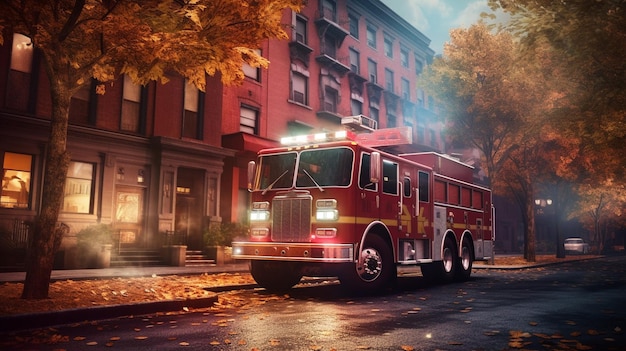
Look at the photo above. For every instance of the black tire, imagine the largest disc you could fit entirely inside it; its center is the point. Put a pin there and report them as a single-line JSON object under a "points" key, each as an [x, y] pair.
{"points": [[466, 261], [442, 271], [449, 260], [376, 270], [275, 276]]}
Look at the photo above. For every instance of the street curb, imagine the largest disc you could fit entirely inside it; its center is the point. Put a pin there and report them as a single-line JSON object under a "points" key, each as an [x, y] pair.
{"points": [[531, 265], [48, 319]]}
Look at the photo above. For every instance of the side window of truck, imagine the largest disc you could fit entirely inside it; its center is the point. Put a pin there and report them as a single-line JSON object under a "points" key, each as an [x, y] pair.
{"points": [[423, 186], [364, 173], [390, 177]]}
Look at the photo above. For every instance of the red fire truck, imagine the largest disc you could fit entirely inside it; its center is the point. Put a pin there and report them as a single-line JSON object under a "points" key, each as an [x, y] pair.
{"points": [[335, 204]]}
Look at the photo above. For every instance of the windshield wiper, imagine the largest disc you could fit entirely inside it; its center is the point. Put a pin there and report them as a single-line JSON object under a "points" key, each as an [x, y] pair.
{"points": [[274, 183], [312, 179]]}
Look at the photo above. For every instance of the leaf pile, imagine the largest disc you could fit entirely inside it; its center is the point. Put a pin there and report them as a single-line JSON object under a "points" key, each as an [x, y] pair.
{"points": [[69, 294]]}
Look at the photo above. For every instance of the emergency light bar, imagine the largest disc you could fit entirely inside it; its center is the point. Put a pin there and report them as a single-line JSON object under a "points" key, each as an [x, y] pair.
{"points": [[317, 138]]}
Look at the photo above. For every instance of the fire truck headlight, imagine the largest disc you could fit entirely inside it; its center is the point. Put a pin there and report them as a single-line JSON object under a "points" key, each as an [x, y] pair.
{"points": [[326, 232], [259, 216], [324, 214]]}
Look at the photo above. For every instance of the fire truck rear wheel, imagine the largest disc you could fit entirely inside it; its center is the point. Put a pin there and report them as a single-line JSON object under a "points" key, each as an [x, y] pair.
{"points": [[442, 271], [465, 261], [375, 269], [275, 276]]}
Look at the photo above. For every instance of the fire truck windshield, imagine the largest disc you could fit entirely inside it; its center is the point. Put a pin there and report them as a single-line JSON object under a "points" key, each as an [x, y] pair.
{"points": [[316, 168]]}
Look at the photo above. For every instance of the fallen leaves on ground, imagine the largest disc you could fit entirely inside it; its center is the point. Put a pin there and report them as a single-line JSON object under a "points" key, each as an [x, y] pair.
{"points": [[69, 294]]}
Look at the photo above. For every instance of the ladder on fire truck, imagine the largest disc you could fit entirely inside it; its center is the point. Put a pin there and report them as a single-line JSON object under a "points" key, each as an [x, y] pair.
{"points": [[367, 132]]}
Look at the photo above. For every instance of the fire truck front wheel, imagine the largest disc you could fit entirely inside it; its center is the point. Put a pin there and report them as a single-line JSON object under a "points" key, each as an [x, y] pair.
{"points": [[275, 276], [374, 270]]}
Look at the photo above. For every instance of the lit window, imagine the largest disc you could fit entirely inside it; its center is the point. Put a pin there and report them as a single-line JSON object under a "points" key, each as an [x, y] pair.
{"points": [[16, 171], [18, 80], [78, 188], [190, 116], [130, 105]]}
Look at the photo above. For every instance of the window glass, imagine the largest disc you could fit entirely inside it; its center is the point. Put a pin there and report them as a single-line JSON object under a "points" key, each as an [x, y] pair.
{"points": [[78, 188], [371, 37], [364, 174], [79, 105], [423, 186], [16, 172], [130, 105], [300, 83], [371, 68], [190, 116], [19, 75], [390, 177], [388, 47], [247, 120], [276, 171], [301, 33], [354, 26], [252, 72], [406, 187], [326, 167]]}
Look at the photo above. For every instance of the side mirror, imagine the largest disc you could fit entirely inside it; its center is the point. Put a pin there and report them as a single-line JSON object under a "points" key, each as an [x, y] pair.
{"points": [[375, 165], [251, 174]]}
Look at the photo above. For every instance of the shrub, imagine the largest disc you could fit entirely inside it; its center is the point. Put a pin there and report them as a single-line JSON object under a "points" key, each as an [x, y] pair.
{"points": [[222, 234]]}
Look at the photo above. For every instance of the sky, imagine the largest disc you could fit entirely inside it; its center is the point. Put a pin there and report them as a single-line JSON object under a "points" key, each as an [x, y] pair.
{"points": [[435, 18]]}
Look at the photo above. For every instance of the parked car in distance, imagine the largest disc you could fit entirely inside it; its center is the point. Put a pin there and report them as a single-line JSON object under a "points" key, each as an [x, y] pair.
{"points": [[576, 245]]}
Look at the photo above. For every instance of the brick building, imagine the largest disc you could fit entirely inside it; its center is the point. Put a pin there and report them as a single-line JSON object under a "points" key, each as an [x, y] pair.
{"points": [[157, 159]]}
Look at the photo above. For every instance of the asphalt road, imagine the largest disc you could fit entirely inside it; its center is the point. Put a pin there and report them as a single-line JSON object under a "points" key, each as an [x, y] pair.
{"points": [[570, 306]]}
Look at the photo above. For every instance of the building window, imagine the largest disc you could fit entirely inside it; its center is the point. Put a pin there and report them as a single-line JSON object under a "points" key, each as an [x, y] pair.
{"points": [[389, 84], [372, 71], [248, 120], [392, 121], [300, 85], [371, 37], [404, 57], [78, 188], [419, 66], [420, 97], [374, 114], [354, 26], [329, 46], [18, 85], [329, 10], [191, 120], [406, 89], [79, 105], [301, 32], [356, 107], [253, 73], [355, 65], [16, 171], [131, 103], [388, 47], [330, 99]]}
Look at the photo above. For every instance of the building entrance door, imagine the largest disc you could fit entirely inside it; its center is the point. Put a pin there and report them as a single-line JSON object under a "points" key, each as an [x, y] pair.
{"points": [[189, 207], [129, 216]]}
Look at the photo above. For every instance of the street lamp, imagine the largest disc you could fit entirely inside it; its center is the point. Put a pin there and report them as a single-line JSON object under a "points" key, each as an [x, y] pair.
{"points": [[542, 203]]}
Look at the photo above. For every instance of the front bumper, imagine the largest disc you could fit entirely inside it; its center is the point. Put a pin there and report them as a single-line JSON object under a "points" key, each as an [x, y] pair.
{"points": [[299, 252]]}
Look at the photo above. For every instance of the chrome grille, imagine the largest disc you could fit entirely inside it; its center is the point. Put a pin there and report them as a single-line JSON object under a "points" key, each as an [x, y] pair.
{"points": [[291, 218]]}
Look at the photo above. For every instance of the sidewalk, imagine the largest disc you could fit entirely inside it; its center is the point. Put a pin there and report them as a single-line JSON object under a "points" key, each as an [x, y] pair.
{"points": [[127, 272]]}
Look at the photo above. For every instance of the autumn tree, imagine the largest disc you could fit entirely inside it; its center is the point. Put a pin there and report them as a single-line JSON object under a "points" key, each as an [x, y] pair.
{"points": [[83, 39], [492, 101], [588, 42]]}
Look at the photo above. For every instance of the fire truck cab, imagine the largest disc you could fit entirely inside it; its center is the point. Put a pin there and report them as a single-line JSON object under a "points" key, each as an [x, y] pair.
{"points": [[334, 204]]}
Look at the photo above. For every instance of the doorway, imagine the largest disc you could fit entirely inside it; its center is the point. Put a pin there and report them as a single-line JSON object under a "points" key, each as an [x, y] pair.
{"points": [[189, 207], [129, 216]]}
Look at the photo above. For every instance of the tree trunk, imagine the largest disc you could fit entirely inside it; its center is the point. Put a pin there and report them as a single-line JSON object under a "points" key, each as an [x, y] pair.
{"points": [[47, 235], [530, 238]]}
